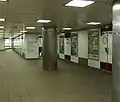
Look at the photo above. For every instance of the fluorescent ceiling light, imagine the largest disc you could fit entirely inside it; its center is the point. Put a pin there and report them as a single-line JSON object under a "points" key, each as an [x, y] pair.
{"points": [[43, 21], [67, 28], [23, 31], [79, 3], [93, 23], [116, 7], [3, 0], [2, 19], [30, 27], [2, 27]]}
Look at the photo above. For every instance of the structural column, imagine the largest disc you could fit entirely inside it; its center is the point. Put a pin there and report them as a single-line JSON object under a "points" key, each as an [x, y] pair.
{"points": [[12, 43], [50, 49], [116, 52]]}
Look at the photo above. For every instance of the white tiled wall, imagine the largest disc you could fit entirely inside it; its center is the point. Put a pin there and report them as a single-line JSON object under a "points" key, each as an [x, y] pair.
{"points": [[74, 59], [94, 63], [32, 46], [61, 56], [83, 49], [106, 57], [83, 44]]}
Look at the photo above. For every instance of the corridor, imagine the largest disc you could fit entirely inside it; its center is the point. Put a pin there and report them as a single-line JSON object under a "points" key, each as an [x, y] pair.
{"points": [[23, 81]]}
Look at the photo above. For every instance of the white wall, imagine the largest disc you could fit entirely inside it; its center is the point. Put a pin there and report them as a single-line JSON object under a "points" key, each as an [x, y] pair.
{"points": [[102, 46], [94, 63], [83, 44], [74, 59], [83, 49], [104, 57], [32, 46]]}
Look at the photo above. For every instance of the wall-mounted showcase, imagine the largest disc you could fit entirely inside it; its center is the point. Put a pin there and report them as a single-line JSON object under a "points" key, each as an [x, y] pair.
{"points": [[68, 46], [89, 48], [74, 44], [40, 43], [93, 45], [61, 44], [106, 50]]}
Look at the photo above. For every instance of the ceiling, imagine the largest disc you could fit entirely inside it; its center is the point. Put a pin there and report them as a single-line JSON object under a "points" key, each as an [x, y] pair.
{"points": [[21, 13]]}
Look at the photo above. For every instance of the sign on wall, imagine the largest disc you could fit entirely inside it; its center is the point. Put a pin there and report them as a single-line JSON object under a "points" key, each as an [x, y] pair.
{"points": [[61, 44], [93, 45], [74, 44], [31, 46]]}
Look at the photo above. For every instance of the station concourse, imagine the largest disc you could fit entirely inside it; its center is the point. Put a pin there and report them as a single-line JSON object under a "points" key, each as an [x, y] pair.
{"points": [[59, 51]]}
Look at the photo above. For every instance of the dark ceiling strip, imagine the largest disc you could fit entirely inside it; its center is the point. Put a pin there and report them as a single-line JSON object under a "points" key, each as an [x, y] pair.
{"points": [[88, 28], [116, 1]]}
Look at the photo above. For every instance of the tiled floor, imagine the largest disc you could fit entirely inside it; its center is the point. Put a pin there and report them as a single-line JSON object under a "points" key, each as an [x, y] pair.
{"points": [[23, 81]]}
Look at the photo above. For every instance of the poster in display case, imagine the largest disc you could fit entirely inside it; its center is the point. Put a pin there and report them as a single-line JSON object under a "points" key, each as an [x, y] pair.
{"points": [[93, 45], [61, 44], [74, 44]]}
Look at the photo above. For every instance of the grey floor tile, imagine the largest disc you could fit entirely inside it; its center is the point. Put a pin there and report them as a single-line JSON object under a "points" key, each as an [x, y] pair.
{"points": [[23, 81]]}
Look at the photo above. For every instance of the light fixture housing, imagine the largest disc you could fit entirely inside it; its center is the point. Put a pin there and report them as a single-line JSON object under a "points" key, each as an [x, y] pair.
{"points": [[79, 3], [93, 23], [67, 28], [3, 0], [43, 21], [24, 31], [2, 19], [30, 27], [1, 27]]}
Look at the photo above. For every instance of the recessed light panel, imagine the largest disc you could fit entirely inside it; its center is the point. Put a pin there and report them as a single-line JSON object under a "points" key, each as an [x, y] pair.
{"points": [[93, 23], [79, 3], [30, 27], [2, 19], [1, 27], [23, 31], [67, 28], [3, 0], [43, 21]]}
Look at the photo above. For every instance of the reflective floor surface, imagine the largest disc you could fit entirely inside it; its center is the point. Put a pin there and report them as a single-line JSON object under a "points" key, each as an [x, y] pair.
{"points": [[23, 81]]}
